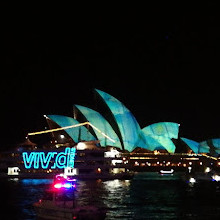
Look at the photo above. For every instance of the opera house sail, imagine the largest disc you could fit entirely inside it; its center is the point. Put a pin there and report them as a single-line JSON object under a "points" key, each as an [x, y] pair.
{"points": [[162, 133], [102, 124], [193, 145], [128, 126], [75, 133], [128, 136]]}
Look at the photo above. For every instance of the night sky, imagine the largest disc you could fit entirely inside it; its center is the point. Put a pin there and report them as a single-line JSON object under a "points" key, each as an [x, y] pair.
{"points": [[163, 65]]}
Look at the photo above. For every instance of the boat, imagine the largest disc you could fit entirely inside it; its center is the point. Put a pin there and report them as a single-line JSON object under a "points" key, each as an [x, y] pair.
{"points": [[59, 203], [57, 206], [171, 171]]}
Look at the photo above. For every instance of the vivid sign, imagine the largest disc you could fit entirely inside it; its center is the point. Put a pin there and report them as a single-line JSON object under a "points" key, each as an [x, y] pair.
{"points": [[50, 160]]}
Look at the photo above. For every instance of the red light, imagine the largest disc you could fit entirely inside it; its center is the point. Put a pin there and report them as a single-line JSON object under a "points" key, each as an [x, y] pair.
{"points": [[64, 185]]}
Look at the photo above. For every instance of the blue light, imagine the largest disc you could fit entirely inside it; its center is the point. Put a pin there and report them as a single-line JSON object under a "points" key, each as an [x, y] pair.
{"points": [[45, 160], [38, 160], [67, 185], [28, 160]]}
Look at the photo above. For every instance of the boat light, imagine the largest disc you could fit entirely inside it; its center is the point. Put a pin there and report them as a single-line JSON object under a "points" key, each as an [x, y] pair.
{"points": [[192, 180], [57, 185], [216, 178], [67, 185], [64, 185], [207, 170]]}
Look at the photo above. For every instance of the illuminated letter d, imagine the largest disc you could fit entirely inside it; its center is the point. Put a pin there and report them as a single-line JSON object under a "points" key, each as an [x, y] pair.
{"points": [[61, 158]]}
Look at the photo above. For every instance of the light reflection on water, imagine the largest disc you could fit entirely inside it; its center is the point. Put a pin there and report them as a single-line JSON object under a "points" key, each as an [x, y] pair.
{"points": [[147, 196], [36, 181]]}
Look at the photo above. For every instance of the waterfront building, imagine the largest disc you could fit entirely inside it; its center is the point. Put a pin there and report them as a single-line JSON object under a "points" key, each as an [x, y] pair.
{"points": [[125, 132], [148, 148]]}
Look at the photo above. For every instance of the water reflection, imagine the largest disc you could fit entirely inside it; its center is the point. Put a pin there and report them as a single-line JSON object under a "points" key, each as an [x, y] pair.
{"points": [[13, 179], [147, 196], [113, 185], [116, 199], [36, 181]]}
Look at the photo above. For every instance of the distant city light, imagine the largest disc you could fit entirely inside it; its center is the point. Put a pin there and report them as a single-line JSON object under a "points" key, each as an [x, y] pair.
{"points": [[192, 180], [207, 170], [216, 178], [112, 153], [81, 146]]}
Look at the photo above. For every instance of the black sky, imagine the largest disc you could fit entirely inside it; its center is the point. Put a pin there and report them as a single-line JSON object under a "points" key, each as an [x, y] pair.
{"points": [[163, 64]]}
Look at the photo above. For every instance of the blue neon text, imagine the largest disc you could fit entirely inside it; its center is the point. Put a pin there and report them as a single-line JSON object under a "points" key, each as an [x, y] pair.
{"points": [[51, 160]]}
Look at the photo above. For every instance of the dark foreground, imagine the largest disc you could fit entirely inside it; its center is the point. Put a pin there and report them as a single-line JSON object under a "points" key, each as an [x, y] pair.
{"points": [[147, 196]]}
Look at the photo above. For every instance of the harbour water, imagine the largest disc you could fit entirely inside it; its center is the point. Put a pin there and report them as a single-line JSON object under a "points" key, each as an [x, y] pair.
{"points": [[147, 196]]}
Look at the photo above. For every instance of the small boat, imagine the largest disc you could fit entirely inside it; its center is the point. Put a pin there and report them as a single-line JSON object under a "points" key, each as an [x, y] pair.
{"points": [[61, 206], [59, 203], [167, 171]]}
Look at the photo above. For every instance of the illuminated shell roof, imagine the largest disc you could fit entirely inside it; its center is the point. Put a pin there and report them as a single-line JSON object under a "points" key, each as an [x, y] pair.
{"points": [[78, 133], [216, 142], [102, 124], [211, 146], [203, 147], [128, 126], [194, 146], [153, 142], [165, 129], [129, 135], [162, 132]]}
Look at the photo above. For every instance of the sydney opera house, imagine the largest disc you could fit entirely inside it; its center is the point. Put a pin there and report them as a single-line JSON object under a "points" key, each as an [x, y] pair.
{"points": [[114, 129], [125, 133]]}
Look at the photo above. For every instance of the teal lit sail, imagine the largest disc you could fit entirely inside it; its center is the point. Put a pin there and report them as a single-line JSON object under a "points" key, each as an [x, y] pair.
{"points": [[211, 146], [204, 147], [193, 145], [162, 132], [165, 129], [166, 143], [128, 126], [214, 146], [216, 142], [152, 143], [102, 124], [74, 133]]}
